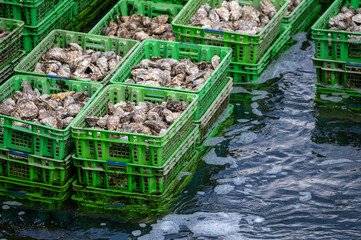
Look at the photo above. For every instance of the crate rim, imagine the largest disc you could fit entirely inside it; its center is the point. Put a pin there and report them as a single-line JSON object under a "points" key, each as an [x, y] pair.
{"points": [[43, 126], [20, 25], [259, 35], [108, 14], [53, 32], [223, 62], [105, 91]]}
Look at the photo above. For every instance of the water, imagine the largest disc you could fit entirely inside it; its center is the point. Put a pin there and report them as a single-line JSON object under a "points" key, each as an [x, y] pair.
{"points": [[287, 168]]}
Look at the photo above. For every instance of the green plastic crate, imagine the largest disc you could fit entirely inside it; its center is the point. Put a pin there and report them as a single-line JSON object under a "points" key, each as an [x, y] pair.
{"points": [[130, 7], [246, 48], [338, 73], [300, 14], [180, 2], [8, 70], [41, 140], [31, 12], [130, 147], [36, 192], [109, 200], [125, 177], [332, 44], [62, 15], [10, 45], [62, 39], [241, 72], [197, 53], [212, 114], [20, 165]]}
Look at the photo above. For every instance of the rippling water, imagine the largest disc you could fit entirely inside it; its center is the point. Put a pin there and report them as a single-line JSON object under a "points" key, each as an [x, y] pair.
{"points": [[287, 168]]}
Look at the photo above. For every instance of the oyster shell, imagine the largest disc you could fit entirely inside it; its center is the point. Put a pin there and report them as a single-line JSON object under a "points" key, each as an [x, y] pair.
{"points": [[348, 19]]}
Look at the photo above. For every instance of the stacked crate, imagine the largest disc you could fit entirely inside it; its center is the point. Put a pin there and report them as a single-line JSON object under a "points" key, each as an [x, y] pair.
{"points": [[251, 53], [40, 17], [36, 159], [10, 51], [338, 53]]}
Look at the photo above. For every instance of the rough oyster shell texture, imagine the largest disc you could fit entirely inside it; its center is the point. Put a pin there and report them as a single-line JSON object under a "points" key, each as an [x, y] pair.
{"points": [[140, 28], [348, 19], [292, 5], [171, 73], [141, 118], [234, 16], [73, 62], [56, 110]]}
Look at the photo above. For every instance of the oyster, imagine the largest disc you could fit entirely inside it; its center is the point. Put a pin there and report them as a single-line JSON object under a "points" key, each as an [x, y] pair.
{"points": [[142, 118], [3, 33], [140, 28], [56, 110], [348, 19], [168, 72], [236, 17], [74, 62]]}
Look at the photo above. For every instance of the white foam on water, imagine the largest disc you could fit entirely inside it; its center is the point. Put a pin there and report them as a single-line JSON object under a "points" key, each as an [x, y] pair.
{"points": [[239, 90], [213, 141], [235, 181], [305, 196], [136, 233], [223, 189], [12, 203], [254, 105], [247, 137], [5, 207], [103, 224], [211, 158], [201, 193], [243, 120], [254, 219], [21, 213], [275, 170], [257, 112], [142, 225], [236, 131], [336, 161], [200, 224], [183, 174], [331, 99]]}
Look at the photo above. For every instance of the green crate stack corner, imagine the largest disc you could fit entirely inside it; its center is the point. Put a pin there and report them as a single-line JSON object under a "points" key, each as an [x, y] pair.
{"points": [[207, 121], [8, 70], [337, 56], [86, 11], [342, 74], [58, 19], [196, 53], [245, 73], [92, 198], [135, 178], [300, 17], [32, 168], [62, 39], [10, 45], [130, 147], [246, 48], [32, 12], [50, 197], [41, 140], [130, 7]]}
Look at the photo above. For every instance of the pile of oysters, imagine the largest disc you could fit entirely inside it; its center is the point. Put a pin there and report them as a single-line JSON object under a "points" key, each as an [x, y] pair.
{"points": [[3, 34], [73, 62], [140, 28], [348, 19], [292, 5], [235, 17], [171, 73], [142, 118], [55, 110]]}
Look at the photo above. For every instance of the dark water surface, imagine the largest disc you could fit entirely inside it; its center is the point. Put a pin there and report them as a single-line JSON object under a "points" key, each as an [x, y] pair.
{"points": [[287, 168]]}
